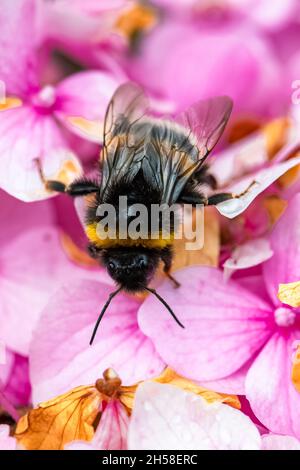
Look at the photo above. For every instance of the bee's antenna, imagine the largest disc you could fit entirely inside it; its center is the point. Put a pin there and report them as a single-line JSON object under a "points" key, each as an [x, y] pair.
{"points": [[111, 296], [153, 291]]}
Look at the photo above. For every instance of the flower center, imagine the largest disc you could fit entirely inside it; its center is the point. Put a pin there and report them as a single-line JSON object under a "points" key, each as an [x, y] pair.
{"points": [[285, 316], [45, 98]]}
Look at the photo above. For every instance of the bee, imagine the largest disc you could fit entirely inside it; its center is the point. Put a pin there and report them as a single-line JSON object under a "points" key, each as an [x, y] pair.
{"points": [[150, 161]]}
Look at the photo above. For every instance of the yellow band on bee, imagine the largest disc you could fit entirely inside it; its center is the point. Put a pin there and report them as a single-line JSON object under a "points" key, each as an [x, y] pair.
{"points": [[92, 232]]}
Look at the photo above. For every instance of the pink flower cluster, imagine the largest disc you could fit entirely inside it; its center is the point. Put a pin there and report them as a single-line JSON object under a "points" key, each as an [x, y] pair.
{"points": [[60, 63]]}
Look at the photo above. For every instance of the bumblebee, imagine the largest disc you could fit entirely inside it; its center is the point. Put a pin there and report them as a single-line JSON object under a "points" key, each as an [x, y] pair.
{"points": [[150, 161]]}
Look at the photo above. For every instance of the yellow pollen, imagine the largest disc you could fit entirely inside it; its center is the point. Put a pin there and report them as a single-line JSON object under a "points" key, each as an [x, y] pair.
{"points": [[137, 18]]}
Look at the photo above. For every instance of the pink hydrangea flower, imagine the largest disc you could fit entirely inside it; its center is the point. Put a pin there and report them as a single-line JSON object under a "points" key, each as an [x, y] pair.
{"points": [[166, 417], [60, 354], [33, 116], [238, 335]]}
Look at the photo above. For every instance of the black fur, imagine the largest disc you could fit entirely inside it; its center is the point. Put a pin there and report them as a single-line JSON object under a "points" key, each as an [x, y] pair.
{"points": [[131, 267]]}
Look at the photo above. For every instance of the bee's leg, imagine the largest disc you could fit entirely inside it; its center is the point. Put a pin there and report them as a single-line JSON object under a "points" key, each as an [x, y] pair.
{"points": [[78, 188], [193, 198], [222, 197], [167, 260]]}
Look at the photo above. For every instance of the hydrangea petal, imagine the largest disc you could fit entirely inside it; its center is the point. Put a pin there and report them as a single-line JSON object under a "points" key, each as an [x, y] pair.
{"points": [[249, 254], [61, 356], [269, 387], [234, 383], [284, 266], [165, 417], [16, 216], [224, 324], [18, 388], [111, 433], [33, 266], [6, 442], [278, 442], [83, 99], [253, 186], [25, 136]]}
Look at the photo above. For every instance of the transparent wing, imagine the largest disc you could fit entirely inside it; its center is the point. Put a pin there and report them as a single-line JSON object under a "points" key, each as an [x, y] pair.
{"points": [[206, 120], [174, 151], [124, 134]]}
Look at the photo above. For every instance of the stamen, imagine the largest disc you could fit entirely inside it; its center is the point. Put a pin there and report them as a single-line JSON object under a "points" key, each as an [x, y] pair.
{"points": [[284, 316], [46, 97]]}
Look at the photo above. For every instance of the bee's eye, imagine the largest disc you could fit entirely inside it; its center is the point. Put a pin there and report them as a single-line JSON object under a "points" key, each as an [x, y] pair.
{"points": [[111, 265]]}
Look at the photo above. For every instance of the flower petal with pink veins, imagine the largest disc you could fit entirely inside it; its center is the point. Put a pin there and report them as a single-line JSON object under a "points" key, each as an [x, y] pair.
{"points": [[83, 99], [25, 136], [269, 388], [111, 433], [259, 181], [61, 357], [17, 46], [251, 253], [277, 442], [6, 442], [32, 267], [165, 417], [224, 324], [284, 266]]}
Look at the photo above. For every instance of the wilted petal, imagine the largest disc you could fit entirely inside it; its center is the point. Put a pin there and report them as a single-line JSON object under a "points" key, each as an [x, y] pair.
{"points": [[33, 266], [277, 442], [269, 388], [261, 180], [170, 377], [83, 99], [25, 136], [224, 324], [165, 417], [284, 266], [111, 433], [6, 442], [61, 356], [248, 255], [66, 418], [17, 46]]}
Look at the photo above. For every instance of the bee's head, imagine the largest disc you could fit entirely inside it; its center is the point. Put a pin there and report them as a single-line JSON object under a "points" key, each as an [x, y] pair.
{"points": [[131, 268]]}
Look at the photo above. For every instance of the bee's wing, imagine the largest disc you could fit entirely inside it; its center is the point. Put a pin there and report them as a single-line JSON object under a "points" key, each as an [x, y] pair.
{"points": [[173, 151], [207, 120], [124, 134]]}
